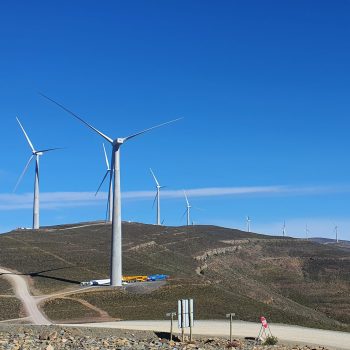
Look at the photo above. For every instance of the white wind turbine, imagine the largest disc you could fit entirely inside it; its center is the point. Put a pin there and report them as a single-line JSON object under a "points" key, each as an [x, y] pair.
{"points": [[110, 190], [284, 228], [248, 223], [336, 234], [188, 209], [35, 154], [116, 244], [157, 197], [307, 231]]}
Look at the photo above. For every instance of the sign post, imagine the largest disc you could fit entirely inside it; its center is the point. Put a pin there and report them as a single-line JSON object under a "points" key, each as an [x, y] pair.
{"points": [[171, 315], [231, 315], [185, 316]]}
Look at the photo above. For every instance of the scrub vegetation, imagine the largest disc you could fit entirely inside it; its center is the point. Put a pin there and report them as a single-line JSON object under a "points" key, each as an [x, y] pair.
{"points": [[286, 280]]}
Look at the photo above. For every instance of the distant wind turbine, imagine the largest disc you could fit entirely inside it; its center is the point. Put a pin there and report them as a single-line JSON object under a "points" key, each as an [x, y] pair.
{"points": [[248, 223], [157, 197], [336, 234], [188, 209], [307, 231], [35, 154], [284, 228], [116, 246], [110, 190]]}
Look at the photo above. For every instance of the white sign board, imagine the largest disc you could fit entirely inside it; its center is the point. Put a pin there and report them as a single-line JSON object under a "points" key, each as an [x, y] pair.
{"points": [[185, 313]]}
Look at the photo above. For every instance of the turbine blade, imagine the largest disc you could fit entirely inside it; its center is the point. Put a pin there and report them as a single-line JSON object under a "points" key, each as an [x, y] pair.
{"points": [[184, 214], [149, 129], [186, 198], [107, 209], [23, 172], [49, 149], [155, 179], [76, 116], [103, 180], [154, 201], [109, 194], [26, 136], [107, 163]]}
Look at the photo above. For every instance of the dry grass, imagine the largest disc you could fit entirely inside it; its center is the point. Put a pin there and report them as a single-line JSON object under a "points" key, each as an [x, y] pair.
{"points": [[10, 308], [288, 280], [5, 287]]}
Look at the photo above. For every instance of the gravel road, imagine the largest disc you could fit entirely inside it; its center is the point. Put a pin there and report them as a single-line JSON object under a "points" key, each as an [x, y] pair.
{"points": [[291, 334], [19, 284]]}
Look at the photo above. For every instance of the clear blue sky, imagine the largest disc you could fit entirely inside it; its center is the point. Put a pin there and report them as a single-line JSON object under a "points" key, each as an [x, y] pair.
{"points": [[263, 87]]}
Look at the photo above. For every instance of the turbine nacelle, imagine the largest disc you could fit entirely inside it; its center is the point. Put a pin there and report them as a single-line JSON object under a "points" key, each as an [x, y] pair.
{"points": [[119, 141]]}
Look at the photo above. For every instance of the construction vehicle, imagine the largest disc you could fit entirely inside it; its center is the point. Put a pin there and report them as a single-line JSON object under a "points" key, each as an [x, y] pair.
{"points": [[131, 279], [157, 277]]}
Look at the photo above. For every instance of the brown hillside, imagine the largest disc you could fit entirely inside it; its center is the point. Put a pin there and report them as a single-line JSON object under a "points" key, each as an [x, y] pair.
{"points": [[225, 270]]}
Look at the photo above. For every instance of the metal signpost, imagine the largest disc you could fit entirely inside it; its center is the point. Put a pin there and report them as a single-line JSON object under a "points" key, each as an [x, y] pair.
{"points": [[231, 315], [171, 315], [185, 316]]}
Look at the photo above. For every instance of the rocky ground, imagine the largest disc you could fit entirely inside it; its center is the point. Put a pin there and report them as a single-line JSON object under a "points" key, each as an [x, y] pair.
{"points": [[24, 337]]}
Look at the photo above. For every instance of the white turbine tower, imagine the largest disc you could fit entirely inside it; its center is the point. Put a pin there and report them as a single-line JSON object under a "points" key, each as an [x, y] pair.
{"points": [[188, 209], [35, 154], [284, 228], [157, 197], [336, 234], [248, 223], [307, 231], [110, 190], [116, 244]]}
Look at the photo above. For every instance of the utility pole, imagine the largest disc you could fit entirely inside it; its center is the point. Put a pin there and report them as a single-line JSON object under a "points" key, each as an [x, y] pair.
{"points": [[171, 315], [231, 315]]}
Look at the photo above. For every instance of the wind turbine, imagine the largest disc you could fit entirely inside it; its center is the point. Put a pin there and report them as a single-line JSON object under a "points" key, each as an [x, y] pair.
{"points": [[116, 244], [188, 209], [284, 228], [157, 197], [37, 155], [248, 223], [336, 234], [110, 191], [307, 231]]}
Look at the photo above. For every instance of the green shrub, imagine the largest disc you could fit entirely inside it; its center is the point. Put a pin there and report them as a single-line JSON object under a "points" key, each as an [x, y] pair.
{"points": [[270, 340]]}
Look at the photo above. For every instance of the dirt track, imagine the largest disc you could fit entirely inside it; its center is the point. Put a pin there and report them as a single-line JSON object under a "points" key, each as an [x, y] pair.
{"points": [[292, 334], [20, 287]]}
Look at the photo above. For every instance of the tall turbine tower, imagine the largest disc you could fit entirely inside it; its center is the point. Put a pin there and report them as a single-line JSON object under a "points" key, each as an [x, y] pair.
{"points": [[248, 223], [336, 234], [110, 190], [37, 155], [284, 228], [188, 209], [157, 197], [307, 231], [116, 246]]}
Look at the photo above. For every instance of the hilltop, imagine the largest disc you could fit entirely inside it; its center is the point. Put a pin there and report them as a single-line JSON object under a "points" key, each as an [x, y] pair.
{"points": [[224, 270]]}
